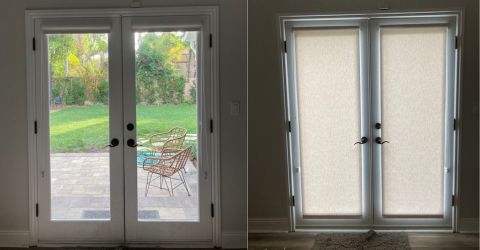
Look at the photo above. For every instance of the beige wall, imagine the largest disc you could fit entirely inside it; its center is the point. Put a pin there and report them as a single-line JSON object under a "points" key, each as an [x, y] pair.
{"points": [[267, 174], [13, 106]]}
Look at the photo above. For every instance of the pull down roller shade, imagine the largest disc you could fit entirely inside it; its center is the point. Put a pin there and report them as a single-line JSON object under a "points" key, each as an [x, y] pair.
{"points": [[71, 26], [328, 85], [413, 114]]}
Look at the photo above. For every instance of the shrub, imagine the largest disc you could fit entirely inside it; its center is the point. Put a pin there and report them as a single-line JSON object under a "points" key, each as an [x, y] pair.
{"points": [[193, 92], [158, 79], [72, 91], [77, 93], [100, 94]]}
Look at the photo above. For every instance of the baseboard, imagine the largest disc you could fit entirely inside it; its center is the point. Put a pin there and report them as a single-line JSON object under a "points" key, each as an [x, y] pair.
{"points": [[234, 239], [14, 239], [267, 225], [468, 225]]}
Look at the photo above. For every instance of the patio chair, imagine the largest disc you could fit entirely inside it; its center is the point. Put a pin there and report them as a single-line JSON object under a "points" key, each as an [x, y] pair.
{"points": [[168, 141], [166, 168]]}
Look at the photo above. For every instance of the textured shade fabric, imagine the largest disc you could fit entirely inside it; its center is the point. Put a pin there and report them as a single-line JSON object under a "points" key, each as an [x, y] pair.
{"points": [[327, 67], [413, 83]]}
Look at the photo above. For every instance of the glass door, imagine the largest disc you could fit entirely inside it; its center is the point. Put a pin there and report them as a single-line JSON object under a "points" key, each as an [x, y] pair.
{"points": [[79, 128], [167, 120], [328, 100], [413, 100]]}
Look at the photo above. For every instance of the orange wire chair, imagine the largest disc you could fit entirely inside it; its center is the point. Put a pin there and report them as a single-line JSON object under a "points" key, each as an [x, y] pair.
{"points": [[166, 166], [167, 141]]}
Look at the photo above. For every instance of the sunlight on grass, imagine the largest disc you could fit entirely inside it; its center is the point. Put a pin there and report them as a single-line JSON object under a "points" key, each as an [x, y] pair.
{"points": [[58, 130], [85, 129]]}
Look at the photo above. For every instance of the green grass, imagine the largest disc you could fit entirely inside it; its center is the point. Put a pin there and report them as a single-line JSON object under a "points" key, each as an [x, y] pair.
{"points": [[85, 128]]}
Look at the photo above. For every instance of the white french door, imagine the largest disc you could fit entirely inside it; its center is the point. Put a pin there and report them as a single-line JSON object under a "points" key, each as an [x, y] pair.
{"points": [[184, 215], [371, 107], [328, 114], [413, 86], [123, 111], [80, 192]]}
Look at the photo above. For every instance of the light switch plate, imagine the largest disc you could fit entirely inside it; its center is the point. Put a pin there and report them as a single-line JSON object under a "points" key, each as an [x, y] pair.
{"points": [[235, 108]]}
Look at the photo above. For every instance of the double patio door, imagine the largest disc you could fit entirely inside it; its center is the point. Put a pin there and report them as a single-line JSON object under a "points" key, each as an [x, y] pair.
{"points": [[371, 111], [123, 144]]}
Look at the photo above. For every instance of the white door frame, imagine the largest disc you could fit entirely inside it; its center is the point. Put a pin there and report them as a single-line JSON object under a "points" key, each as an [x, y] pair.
{"points": [[286, 46], [32, 15]]}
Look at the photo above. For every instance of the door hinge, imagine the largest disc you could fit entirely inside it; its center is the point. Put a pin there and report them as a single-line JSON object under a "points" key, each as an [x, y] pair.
{"points": [[36, 210], [293, 200], [285, 46], [454, 124], [211, 40], [456, 42], [33, 44], [289, 126], [212, 210], [454, 202], [35, 130], [211, 125]]}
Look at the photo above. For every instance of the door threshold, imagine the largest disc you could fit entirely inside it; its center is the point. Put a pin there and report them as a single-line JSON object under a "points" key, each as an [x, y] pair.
{"points": [[382, 230], [138, 244]]}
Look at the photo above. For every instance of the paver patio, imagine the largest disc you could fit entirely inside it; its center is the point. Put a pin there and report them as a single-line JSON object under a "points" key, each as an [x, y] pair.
{"points": [[80, 190]]}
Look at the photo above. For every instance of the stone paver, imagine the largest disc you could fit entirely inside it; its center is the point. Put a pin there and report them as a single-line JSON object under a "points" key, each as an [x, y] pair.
{"points": [[80, 182]]}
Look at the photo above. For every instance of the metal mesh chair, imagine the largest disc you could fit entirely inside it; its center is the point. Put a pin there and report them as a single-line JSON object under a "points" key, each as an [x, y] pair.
{"points": [[170, 140], [166, 167]]}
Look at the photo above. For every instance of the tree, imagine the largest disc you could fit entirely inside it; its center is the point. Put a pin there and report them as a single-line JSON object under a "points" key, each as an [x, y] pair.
{"points": [[82, 56], [157, 77]]}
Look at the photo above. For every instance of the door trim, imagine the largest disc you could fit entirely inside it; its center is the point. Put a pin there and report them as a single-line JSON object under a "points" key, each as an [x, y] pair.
{"points": [[285, 18], [31, 15]]}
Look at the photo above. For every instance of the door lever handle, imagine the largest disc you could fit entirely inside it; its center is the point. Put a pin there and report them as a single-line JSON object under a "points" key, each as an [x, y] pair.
{"points": [[378, 140], [113, 143], [131, 143], [363, 140]]}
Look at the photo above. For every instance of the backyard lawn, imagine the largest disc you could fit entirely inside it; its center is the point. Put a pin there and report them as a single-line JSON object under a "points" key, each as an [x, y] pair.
{"points": [[85, 128]]}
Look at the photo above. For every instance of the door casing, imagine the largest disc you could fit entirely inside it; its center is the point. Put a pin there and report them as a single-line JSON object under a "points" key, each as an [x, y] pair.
{"points": [[34, 16], [286, 45]]}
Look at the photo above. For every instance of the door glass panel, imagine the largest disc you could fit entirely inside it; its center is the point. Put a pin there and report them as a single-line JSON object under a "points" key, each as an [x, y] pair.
{"points": [[413, 83], [79, 126], [328, 85], [166, 117]]}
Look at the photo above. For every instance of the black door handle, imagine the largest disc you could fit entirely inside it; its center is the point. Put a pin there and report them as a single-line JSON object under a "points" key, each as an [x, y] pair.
{"points": [[363, 140], [130, 126], [113, 143], [131, 143], [378, 140]]}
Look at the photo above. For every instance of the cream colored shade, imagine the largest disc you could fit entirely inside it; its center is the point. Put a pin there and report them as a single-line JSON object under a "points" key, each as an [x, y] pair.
{"points": [[413, 83], [328, 83]]}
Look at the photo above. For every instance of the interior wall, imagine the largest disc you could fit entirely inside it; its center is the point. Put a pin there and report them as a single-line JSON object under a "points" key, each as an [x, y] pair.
{"points": [[14, 184], [267, 174]]}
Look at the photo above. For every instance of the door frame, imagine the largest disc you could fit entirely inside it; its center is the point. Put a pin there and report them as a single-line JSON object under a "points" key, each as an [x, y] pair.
{"points": [[285, 21], [32, 15]]}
